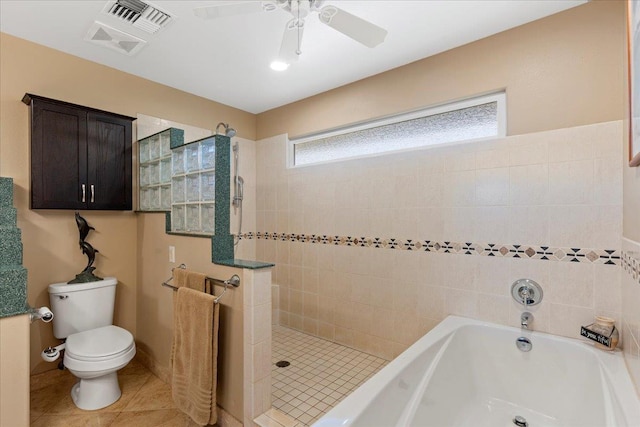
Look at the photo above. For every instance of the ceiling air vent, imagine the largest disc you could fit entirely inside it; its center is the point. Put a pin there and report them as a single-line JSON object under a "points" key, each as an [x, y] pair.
{"points": [[117, 40], [142, 15]]}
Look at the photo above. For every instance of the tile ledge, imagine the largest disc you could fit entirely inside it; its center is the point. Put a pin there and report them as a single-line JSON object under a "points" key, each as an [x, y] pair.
{"points": [[241, 263]]}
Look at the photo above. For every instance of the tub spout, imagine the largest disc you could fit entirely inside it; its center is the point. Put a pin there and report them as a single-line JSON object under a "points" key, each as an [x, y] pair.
{"points": [[525, 319]]}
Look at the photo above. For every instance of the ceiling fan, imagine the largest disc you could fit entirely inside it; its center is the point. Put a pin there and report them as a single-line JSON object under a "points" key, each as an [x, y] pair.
{"points": [[350, 25]]}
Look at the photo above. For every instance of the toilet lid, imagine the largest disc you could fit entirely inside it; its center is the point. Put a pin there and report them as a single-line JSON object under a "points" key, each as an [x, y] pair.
{"points": [[99, 342]]}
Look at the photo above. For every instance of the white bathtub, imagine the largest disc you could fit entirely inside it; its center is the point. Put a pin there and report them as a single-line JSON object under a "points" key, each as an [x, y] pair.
{"points": [[469, 373]]}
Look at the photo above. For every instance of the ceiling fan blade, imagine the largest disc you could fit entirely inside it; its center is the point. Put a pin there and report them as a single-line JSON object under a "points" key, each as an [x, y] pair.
{"points": [[352, 26], [291, 41], [228, 9]]}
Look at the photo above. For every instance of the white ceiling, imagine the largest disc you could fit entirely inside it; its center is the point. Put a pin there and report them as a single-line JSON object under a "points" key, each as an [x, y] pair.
{"points": [[227, 60]]}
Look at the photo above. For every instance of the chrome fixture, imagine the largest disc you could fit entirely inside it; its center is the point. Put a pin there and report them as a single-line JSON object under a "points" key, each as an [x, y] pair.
{"points": [[228, 131], [524, 344], [238, 189], [526, 292], [232, 281], [42, 313], [525, 319], [238, 182], [51, 354], [520, 421]]}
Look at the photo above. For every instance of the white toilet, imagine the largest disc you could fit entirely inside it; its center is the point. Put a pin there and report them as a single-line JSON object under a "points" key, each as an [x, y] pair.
{"points": [[94, 349]]}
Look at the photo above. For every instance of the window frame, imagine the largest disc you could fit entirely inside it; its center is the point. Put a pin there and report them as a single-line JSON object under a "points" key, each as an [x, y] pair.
{"points": [[501, 115]]}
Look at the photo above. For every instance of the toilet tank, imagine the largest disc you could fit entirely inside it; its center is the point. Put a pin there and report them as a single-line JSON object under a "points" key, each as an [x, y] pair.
{"points": [[79, 307]]}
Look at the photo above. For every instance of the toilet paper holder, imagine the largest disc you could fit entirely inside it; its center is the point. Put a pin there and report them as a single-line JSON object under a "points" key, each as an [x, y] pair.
{"points": [[41, 313]]}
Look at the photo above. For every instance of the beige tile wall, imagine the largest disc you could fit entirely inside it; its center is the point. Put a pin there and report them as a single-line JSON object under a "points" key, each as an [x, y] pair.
{"points": [[257, 343], [560, 188], [630, 312], [245, 249]]}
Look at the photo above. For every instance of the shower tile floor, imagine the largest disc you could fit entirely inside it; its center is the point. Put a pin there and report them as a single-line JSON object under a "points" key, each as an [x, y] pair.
{"points": [[321, 373]]}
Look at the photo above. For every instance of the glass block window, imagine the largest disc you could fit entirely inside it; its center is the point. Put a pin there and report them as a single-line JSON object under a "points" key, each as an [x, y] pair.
{"points": [[193, 187], [470, 120], [155, 169]]}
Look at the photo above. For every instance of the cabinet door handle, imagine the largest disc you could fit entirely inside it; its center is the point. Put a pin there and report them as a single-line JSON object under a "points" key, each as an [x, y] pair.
{"points": [[93, 192], [83, 193]]}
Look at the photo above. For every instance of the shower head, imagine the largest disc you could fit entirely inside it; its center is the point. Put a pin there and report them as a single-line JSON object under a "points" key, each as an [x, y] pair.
{"points": [[228, 131]]}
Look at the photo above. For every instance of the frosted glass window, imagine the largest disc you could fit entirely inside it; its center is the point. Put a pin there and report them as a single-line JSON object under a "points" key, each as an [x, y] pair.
{"points": [[463, 121]]}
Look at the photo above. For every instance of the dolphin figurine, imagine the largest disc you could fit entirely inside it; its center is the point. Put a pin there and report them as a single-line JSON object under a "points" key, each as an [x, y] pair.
{"points": [[90, 252], [83, 227]]}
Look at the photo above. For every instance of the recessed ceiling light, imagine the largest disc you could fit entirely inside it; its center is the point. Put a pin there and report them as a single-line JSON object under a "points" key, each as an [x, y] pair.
{"points": [[279, 65]]}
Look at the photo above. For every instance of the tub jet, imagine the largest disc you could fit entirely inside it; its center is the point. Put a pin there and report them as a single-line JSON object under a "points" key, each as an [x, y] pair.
{"points": [[520, 421]]}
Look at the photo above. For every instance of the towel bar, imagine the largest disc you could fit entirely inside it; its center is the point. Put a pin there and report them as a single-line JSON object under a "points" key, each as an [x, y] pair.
{"points": [[232, 281]]}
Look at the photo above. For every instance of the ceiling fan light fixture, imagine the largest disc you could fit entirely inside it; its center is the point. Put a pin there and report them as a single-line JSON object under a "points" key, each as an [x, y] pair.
{"points": [[278, 65]]}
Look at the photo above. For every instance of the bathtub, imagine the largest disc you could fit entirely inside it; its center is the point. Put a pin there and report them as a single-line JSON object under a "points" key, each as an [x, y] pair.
{"points": [[470, 373]]}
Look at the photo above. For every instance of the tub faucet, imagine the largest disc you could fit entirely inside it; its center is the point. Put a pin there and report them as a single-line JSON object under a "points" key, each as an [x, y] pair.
{"points": [[525, 319]]}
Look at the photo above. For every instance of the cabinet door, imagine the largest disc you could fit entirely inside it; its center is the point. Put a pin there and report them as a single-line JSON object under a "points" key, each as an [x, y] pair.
{"points": [[109, 161], [58, 156]]}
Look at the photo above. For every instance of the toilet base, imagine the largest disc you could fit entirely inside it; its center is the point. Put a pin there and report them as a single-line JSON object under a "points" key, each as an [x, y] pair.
{"points": [[96, 393]]}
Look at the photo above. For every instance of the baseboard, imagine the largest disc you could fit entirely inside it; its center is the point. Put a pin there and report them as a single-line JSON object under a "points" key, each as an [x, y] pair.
{"points": [[151, 364], [225, 419]]}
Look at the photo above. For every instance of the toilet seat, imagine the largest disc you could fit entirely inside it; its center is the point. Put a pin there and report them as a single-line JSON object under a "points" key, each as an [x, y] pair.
{"points": [[94, 345], [92, 353]]}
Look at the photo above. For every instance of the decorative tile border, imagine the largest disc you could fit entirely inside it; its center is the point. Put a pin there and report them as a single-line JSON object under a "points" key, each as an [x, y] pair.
{"points": [[631, 264], [547, 253]]}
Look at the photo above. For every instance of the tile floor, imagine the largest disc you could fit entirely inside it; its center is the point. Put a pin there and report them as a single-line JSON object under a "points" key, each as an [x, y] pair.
{"points": [[320, 375], [146, 402]]}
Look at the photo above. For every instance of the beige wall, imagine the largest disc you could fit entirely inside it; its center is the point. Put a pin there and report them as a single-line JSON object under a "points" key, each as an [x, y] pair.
{"points": [[548, 68], [50, 236], [14, 371], [155, 310]]}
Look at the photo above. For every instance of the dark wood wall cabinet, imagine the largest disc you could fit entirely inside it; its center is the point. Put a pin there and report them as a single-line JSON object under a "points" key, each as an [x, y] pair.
{"points": [[80, 156]]}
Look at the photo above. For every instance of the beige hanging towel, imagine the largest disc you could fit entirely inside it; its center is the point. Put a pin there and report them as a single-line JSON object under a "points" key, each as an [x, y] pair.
{"points": [[190, 279], [194, 355]]}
